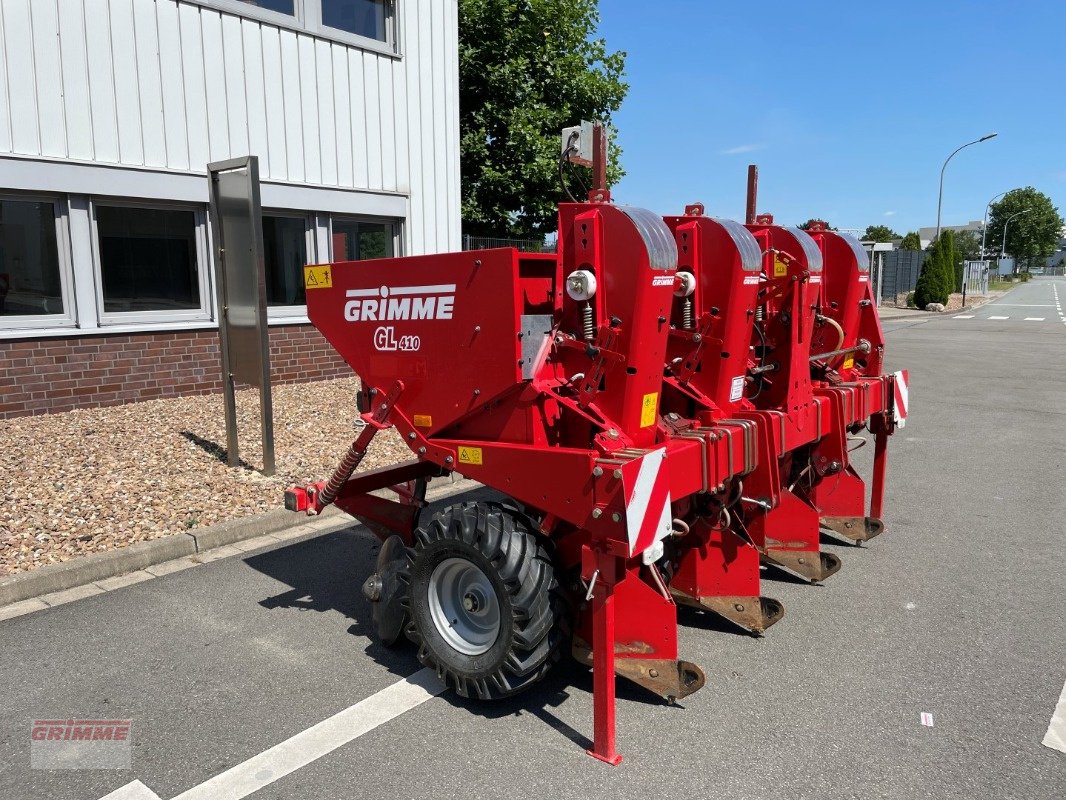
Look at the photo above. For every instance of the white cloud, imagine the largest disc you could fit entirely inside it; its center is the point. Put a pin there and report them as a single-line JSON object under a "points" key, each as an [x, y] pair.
{"points": [[740, 148], [890, 213]]}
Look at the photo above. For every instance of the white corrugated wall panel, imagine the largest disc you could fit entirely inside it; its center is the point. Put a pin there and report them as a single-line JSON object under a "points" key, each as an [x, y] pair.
{"points": [[274, 96], [77, 111], [255, 93], [308, 109], [327, 129], [361, 170], [127, 99], [194, 87], [150, 85], [341, 100], [48, 72], [101, 75], [175, 125], [21, 95]]}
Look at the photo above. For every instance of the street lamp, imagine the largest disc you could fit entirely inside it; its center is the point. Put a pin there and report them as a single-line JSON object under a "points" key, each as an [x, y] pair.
{"points": [[940, 197], [1003, 244], [984, 225]]}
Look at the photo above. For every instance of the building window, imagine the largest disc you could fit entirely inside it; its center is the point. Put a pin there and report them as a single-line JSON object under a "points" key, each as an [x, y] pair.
{"points": [[31, 273], [148, 259], [357, 240], [279, 6], [285, 255], [367, 18]]}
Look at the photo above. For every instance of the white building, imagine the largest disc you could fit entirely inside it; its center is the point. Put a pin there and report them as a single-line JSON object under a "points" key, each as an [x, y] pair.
{"points": [[110, 110]]}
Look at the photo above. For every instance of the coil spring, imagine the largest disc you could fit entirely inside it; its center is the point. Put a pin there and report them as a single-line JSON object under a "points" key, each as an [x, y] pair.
{"points": [[760, 313], [686, 314], [587, 324]]}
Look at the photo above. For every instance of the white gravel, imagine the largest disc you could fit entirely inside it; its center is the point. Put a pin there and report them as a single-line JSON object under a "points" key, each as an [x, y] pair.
{"points": [[96, 479]]}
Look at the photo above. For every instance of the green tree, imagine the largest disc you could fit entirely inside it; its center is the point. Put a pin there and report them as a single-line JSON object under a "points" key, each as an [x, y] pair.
{"points": [[1032, 236], [527, 69], [937, 278], [911, 242], [806, 226], [879, 233]]}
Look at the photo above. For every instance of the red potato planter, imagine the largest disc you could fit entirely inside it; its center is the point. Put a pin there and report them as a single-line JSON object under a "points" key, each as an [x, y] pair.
{"points": [[608, 392]]}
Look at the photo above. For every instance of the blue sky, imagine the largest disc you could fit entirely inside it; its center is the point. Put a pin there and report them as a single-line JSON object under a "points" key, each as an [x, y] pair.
{"points": [[849, 109]]}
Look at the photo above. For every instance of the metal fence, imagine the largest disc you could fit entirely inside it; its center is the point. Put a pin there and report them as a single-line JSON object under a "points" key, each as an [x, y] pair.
{"points": [[525, 245], [895, 273]]}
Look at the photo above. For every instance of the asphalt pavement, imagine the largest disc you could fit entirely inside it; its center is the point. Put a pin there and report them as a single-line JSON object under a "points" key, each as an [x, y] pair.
{"points": [[956, 612]]}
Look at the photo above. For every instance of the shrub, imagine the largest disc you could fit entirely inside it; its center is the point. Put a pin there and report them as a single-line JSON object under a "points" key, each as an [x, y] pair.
{"points": [[910, 300]]}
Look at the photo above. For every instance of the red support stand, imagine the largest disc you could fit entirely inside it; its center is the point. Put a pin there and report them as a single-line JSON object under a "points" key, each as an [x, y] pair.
{"points": [[877, 491], [603, 747]]}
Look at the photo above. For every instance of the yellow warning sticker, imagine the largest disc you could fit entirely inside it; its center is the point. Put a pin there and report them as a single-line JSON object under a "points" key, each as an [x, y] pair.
{"points": [[423, 421], [849, 362], [780, 268], [647, 409], [470, 455], [318, 276]]}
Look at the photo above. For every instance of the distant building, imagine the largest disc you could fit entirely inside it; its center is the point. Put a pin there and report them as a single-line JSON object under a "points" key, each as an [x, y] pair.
{"points": [[927, 235], [110, 113]]}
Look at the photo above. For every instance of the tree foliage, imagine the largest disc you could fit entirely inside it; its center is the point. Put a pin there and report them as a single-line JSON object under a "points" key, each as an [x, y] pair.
{"points": [[967, 248], [879, 233], [911, 242], [527, 69], [1031, 236], [937, 279], [806, 226]]}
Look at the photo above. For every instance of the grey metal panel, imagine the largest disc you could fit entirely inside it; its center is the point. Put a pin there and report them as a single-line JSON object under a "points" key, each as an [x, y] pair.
{"points": [[240, 277], [750, 252], [809, 247], [662, 249], [861, 256], [535, 330]]}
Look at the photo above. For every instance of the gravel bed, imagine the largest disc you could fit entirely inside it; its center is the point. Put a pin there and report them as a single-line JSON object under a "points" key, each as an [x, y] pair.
{"points": [[95, 479]]}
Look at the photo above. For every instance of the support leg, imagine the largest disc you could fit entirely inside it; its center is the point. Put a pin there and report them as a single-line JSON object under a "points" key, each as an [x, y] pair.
{"points": [[877, 490], [603, 674]]}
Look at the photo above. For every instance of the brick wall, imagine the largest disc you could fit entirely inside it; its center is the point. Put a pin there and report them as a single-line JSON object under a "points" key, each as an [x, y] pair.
{"points": [[41, 376]]}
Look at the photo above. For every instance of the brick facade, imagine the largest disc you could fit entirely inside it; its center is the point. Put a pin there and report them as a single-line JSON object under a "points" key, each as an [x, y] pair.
{"points": [[41, 376]]}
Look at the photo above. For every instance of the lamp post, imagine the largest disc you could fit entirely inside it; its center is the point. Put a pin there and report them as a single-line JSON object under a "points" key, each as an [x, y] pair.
{"points": [[1003, 244], [940, 197], [984, 224]]}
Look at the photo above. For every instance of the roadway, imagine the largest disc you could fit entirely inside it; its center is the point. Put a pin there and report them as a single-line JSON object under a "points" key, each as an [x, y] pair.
{"points": [[956, 611]]}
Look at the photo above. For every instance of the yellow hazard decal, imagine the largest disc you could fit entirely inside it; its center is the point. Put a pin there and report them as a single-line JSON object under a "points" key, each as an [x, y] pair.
{"points": [[470, 455], [780, 268], [318, 276], [647, 409], [849, 362], [423, 421]]}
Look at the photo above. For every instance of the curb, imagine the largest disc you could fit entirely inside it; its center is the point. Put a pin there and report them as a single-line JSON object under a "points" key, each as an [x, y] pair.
{"points": [[88, 569]]}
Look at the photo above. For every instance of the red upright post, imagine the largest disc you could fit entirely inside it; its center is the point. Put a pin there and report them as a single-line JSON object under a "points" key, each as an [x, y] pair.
{"points": [[877, 491], [599, 157], [753, 194], [603, 717]]}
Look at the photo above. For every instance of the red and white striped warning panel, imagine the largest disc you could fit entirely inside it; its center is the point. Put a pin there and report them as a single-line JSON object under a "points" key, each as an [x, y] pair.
{"points": [[647, 492], [900, 398]]}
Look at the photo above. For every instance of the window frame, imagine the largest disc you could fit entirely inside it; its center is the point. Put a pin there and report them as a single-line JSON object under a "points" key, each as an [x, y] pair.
{"points": [[307, 19], [275, 313], [69, 318], [393, 222], [206, 311]]}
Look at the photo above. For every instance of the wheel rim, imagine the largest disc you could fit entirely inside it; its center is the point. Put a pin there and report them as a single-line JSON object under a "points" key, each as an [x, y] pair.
{"points": [[464, 606]]}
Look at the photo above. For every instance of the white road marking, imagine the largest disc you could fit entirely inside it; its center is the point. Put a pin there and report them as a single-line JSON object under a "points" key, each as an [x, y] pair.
{"points": [[1023, 305], [927, 719], [998, 317], [1034, 319], [307, 746], [132, 791], [963, 316], [1055, 738]]}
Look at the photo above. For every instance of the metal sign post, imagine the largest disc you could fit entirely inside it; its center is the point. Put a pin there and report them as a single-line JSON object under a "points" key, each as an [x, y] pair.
{"points": [[237, 228]]}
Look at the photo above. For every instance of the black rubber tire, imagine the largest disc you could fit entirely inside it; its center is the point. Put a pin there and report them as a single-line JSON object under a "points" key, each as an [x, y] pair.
{"points": [[502, 542]]}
